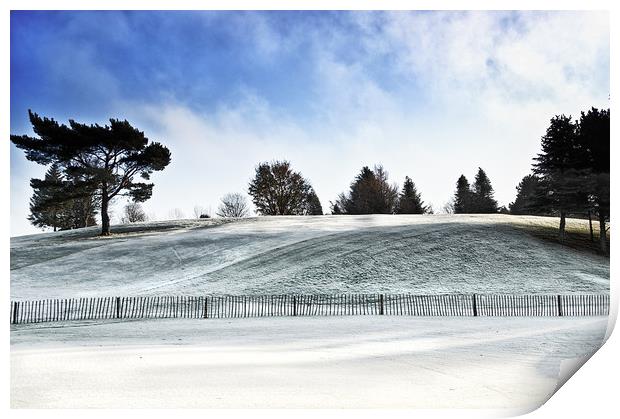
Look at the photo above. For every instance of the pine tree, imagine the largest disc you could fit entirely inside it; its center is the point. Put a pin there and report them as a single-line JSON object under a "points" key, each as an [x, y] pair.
{"points": [[370, 193], [313, 204], [593, 142], [530, 197], [57, 202], [388, 194], [462, 197], [46, 209], [483, 201], [410, 200], [335, 208], [561, 169], [81, 212], [105, 159]]}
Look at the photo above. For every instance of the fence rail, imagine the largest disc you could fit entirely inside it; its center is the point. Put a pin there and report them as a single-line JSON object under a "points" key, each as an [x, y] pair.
{"points": [[230, 306]]}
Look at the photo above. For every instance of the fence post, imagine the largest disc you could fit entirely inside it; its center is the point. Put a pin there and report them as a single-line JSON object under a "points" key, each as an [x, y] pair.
{"points": [[294, 306], [559, 306], [118, 307], [474, 305], [381, 311], [15, 311], [205, 307]]}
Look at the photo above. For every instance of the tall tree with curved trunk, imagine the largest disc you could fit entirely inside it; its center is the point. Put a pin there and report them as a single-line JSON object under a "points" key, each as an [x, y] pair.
{"points": [[105, 159]]}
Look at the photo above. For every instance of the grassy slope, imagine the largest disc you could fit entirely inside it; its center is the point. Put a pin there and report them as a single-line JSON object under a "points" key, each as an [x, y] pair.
{"points": [[330, 254]]}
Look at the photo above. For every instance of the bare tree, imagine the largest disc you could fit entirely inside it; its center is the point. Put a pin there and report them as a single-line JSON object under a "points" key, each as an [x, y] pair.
{"points": [[233, 205], [199, 211], [448, 207], [176, 214], [133, 213]]}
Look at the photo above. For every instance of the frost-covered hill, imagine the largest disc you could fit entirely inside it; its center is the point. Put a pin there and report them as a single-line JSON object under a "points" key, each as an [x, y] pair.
{"points": [[327, 254]]}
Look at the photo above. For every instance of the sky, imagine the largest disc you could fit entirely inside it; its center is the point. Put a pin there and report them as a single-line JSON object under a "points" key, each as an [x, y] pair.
{"points": [[429, 95]]}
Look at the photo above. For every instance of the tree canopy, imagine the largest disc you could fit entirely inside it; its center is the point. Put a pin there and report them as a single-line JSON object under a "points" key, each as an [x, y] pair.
{"points": [[278, 190]]}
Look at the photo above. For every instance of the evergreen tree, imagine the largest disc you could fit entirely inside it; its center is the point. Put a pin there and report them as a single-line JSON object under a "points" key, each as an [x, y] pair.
{"points": [[46, 209], [483, 201], [410, 200], [81, 212], [530, 197], [105, 159], [561, 170], [313, 204], [57, 203], [388, 193], [370, 193], [462, 197], [593, 143], [335, 208]]}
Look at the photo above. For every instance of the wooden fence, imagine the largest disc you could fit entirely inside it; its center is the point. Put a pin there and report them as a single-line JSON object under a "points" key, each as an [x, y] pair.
{"points": [[213, 307]]}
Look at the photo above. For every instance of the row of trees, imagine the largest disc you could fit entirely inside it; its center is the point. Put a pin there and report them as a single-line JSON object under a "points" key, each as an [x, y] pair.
{"points": [[571, 174], [278, 190], [371, 193], [89, 165]]}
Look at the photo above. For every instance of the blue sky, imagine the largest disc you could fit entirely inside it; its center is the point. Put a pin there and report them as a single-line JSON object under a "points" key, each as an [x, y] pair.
{"points": [[430, 95]]}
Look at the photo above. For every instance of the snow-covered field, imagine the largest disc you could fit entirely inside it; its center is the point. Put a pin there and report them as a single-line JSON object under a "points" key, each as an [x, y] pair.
{"points": [[354, 362], [325, 254], [367, 361]]}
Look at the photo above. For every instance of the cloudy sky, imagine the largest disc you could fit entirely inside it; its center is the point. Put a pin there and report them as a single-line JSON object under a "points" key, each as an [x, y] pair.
{"points": [[430, 95]]}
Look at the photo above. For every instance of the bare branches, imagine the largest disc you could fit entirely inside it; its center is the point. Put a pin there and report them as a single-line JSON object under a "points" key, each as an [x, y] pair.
{"points": [[233, 205]]}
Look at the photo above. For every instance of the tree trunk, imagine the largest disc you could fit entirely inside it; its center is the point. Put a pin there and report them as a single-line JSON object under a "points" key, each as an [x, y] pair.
{"points": [[603, 235], [562, 225], [105, 219], [591, 231]]}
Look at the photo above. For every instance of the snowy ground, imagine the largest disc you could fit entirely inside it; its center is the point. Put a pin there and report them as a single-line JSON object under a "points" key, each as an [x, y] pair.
{"points": [[326, 254], [356, 362]]}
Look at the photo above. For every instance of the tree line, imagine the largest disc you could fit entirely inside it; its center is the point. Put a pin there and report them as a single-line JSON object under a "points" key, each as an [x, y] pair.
{"points": [[570, 177], [278, 190], [90, 165]]}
